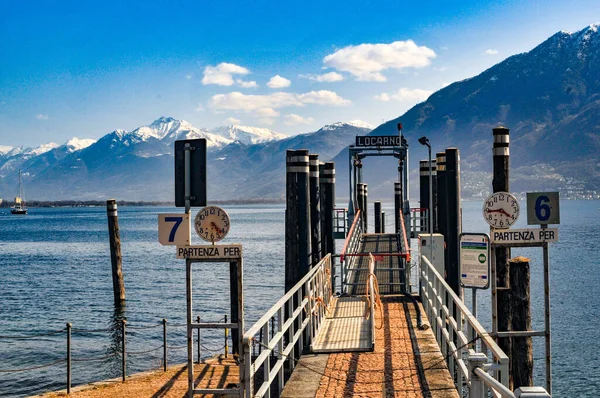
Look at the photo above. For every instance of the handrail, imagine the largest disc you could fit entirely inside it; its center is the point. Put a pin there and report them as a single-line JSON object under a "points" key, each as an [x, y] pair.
{"points": [[493, 383], [446, 311], [406, 247], [350, 233], [299, 315]]}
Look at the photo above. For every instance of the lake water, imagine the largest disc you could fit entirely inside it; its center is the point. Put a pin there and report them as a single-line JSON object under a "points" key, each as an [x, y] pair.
{"points": [[55, 268]]}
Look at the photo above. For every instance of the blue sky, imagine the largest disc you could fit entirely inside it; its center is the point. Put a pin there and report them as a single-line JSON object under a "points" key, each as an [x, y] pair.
{"points": [[72, 68]]}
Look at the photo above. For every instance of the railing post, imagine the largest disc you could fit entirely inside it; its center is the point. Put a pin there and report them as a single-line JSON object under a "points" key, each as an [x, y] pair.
{"points": [[477, 388], [226, 339], [124, 352], [281, 375], [164, 344], [69, 326], [267, 364], [198, 349]]}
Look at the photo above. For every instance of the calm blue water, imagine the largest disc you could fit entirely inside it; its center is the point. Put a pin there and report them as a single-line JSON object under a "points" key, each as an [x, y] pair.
{"points": [[55, 268]]}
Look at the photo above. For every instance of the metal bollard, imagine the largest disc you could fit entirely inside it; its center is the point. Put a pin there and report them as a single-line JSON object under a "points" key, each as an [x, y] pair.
{"points": [[226, 339], [124, 356], [477, 388], [164, 344], [69, 326]]}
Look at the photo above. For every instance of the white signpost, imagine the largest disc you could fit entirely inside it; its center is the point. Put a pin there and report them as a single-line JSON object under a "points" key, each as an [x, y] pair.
{"points": [[474, 260], [174, 229]]}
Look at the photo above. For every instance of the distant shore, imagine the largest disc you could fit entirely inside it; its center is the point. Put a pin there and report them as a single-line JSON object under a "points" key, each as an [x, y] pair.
{"points": [[102, 203]]}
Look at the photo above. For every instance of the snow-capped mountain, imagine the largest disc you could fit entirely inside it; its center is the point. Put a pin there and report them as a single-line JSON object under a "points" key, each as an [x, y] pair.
{"points": [[248, 135], [76, 144], [167, 130]]}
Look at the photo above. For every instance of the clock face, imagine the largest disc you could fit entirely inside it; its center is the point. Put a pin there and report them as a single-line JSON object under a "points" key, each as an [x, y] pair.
{"points": [[212, 223], [501, 210]]}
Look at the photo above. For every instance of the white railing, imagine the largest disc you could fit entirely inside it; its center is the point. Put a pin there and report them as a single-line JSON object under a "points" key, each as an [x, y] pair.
{"points": [[446, 312], [298, 318], [351, 246]]}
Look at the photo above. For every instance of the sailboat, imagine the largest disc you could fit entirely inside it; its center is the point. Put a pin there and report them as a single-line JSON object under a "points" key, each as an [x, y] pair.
{"points": [[19, 207]]}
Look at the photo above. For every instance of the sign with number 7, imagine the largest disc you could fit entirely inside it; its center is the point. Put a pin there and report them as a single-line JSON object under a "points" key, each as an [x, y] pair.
{"points": [[174, 229]]}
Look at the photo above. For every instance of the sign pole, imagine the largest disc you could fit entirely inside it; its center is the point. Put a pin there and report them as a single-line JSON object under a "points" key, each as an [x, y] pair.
{"points": [[190, 340], [547, 318]]}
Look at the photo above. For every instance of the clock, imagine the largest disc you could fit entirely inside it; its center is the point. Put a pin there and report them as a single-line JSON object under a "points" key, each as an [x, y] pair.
{"points": [[212, 223], [501, 210]]}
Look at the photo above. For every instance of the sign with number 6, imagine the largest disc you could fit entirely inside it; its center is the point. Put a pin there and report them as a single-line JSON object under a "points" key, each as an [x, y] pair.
{"points": [[174, 229], [543, 208]]}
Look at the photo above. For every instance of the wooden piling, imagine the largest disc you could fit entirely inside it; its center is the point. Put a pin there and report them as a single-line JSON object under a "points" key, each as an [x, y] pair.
{"points": [[424, 191], [500, 183], [327, 188], [383, 222], [297, 218], [377, 216], [521, 356], [315, 208], [115, 252], [234, 296], [453, 217]]}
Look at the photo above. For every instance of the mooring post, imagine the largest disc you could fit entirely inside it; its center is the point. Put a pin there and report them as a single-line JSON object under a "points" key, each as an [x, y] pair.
{"points": [[226, 339], [383, 222], [327, 187], [297, 218], [377, 216], [521, 357], [198, 351], [454, 218], [234, 298], [360, 197], [69, 326], [164, 321], [441, 190], [500, 183], [397, 205], [315, 208], [115, 252]]}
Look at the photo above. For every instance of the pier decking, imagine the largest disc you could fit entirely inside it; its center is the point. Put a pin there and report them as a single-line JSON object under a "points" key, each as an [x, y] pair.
{"points": [[406, 362]]}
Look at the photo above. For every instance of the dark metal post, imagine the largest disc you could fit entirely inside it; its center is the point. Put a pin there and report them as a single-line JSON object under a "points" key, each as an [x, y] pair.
{"points": [[423, 190], [365, 207], [397, 205], [441, 190], [377, 216], [198, 351], [360, 197], [297, 218], [115, 252], [235, 297], [164, 344], [327, 185], [500, 183], [226, 339], [69, 326], [383, 222], [124, 350], [315, 208], [453, 216]]}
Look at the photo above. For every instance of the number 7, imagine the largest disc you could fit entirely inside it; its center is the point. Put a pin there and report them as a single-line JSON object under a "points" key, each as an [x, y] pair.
{"points": [[177, 221]]}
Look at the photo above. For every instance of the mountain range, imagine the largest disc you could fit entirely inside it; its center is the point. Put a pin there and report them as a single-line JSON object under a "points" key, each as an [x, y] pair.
{"points": [[243, 162], [549, 97]]}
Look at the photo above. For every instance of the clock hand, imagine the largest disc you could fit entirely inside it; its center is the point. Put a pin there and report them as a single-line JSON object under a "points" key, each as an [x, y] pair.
{"points": [[504, 212], [495, 211], [217, 228]]}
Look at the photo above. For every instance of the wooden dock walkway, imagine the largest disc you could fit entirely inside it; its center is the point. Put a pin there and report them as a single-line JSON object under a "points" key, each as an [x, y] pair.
{"points": [[406, 363]]}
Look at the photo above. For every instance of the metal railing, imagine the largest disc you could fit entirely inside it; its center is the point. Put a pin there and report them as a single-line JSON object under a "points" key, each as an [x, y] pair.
{"points": [[298, 318], [446, 312], [418, 221], [340, 223], [351, 246]]}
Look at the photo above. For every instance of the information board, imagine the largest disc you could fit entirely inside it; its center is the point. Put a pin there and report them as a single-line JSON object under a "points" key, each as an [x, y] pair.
{"points": [[474, 260], [174, 229], [543, 208], [197, 172], [212, 252]]}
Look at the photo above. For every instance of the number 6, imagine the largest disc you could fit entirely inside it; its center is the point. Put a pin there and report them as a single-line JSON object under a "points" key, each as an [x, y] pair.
{"points": [[542, 210]]}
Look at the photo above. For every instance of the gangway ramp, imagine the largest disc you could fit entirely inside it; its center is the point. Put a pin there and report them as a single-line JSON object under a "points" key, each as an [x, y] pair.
{"points": [[345, 328]]}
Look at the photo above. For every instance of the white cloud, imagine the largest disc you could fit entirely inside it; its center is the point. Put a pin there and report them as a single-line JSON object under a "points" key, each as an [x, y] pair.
{"points": [[199, 108], [367, 61], [266, 112], [405, 94], [293, 119], [267, 121], [222, 74], [244, 84], [329, 77], [491, 52], [323, 97], [250, 103], [232, 120], [278, 82], [188, 76], [41, 117]]}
